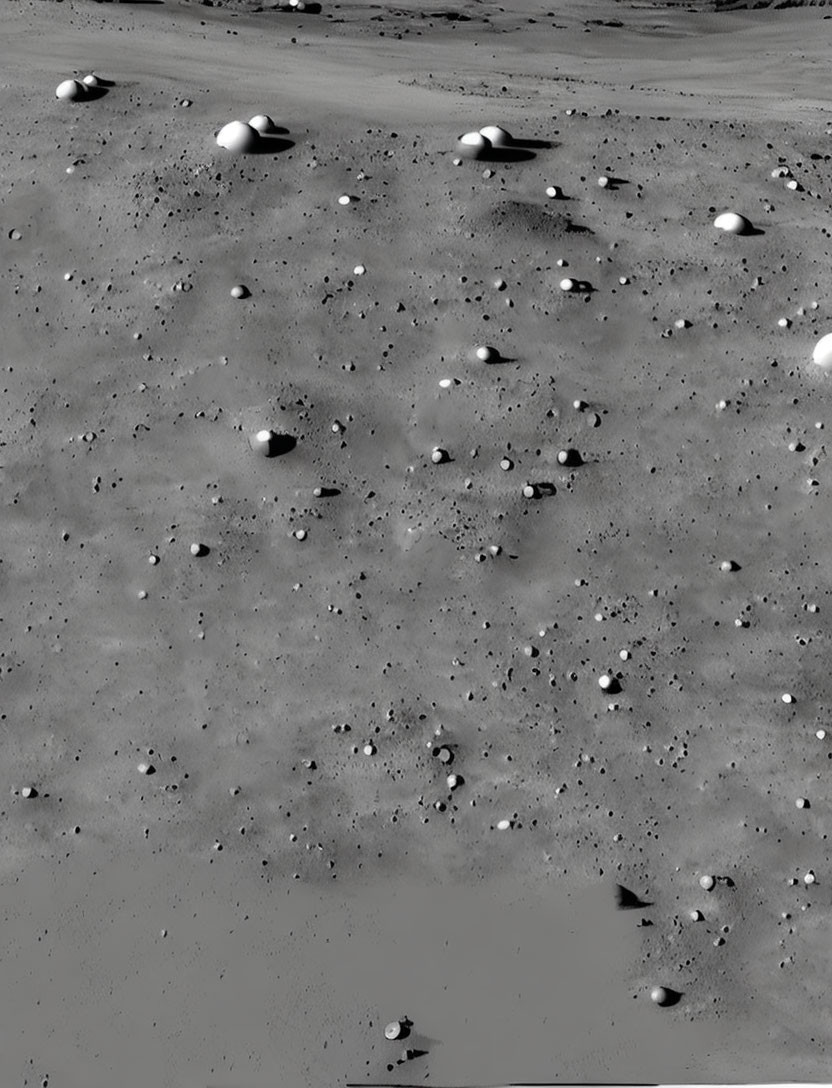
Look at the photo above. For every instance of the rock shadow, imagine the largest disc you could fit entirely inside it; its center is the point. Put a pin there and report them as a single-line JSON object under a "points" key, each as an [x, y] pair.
{"points": [[625, 899], [280, 444], [271, 145], [506, 154], [534, 145]]}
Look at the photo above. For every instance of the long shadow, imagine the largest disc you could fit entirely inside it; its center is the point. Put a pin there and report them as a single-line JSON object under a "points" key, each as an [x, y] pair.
{"points": [[93, 93], [616, 183], [505, 154], [280, 444], [539, 145], [751, 231], [271, 145]]}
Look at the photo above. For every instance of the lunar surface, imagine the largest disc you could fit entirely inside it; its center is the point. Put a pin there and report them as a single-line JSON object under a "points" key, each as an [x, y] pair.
{"points": [[415, 549]]}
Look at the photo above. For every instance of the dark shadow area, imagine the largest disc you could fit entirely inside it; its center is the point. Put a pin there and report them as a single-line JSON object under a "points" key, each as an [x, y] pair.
{"points": [[616, 183], [497, 359], [751, 231], [448, 16], [505, 154], [543, 489], [570, 459], [329, 492], [271, 145], [98, 92], [625, 899], [671, 997], [534, 145], [280, 444]]}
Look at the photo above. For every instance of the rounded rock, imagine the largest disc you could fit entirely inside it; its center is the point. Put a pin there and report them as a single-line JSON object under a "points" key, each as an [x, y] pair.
{"points": [[262, 442], [733, 223], [497, 136], [239, 291], [487, 354], [660, 995], [238, 137], [706, 883], [822, 354], [263, 124], [569, 457], [71, 90], [393, 1030], [473, 145]]}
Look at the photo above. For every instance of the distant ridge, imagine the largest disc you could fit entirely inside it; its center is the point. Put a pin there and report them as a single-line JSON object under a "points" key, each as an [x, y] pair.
{"points": [[738, 5]]}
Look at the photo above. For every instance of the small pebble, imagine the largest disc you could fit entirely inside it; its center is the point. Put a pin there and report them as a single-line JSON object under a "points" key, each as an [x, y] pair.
{"points": [[503, 825], [787, 698], [369, 749], [344, 199]]}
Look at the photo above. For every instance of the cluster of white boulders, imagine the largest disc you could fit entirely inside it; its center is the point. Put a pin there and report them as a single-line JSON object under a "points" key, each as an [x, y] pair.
{"points": [[242, 137], [475, 145], [75, 90]]}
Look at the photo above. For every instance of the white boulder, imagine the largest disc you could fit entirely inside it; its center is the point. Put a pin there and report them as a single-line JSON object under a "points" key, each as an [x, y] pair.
{"points": [[238, 136], [822, 355], [71, 90], [473, 145], [732, 223]]}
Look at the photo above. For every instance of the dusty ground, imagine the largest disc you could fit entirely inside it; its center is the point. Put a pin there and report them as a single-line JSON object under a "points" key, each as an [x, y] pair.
{"points": [[310, 893]]}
